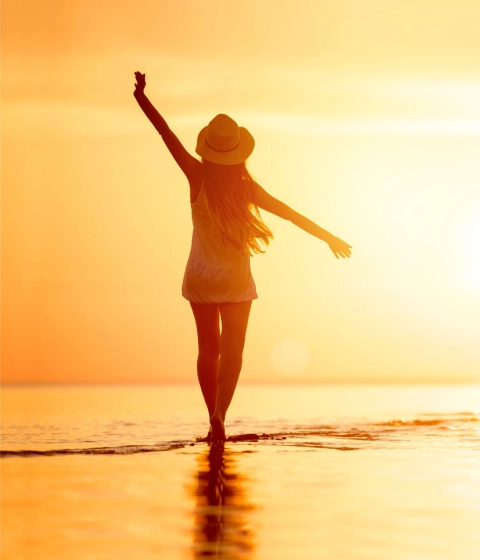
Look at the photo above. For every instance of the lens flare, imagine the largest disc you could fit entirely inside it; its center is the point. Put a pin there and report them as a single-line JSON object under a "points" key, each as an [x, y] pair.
{"points": [[289, 356]]}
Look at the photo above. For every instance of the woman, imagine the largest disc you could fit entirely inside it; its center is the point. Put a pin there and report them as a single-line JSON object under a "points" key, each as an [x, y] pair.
{"points": [[227, 230]]}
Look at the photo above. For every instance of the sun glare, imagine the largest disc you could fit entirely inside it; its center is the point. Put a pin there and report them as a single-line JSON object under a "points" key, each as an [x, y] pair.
{"points": [[289, 356]]}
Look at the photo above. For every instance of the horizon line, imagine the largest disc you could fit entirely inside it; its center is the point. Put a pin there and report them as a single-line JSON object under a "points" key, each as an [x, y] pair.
{"points": [[341, 382]]}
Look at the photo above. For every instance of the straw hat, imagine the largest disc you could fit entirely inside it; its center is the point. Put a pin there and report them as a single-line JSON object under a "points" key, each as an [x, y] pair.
{"points": [[224, 142]]}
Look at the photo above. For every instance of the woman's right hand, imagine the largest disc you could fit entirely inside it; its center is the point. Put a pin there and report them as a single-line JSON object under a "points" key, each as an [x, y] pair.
{"points": [[339, 247], [141, 83]]}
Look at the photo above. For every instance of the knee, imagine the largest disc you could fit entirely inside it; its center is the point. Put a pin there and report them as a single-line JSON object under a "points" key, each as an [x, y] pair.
{"points": [[232, 345], [209, 350]]}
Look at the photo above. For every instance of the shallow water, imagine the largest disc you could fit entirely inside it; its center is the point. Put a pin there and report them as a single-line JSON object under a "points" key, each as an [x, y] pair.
{"points": [[337, 472]]}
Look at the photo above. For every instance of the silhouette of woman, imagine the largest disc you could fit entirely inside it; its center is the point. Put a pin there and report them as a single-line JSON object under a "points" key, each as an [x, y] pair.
{"points": [[227, 230]]}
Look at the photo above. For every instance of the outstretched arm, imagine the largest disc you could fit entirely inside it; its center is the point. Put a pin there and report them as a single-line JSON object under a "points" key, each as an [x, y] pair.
{"points": [[187, 163], [277, 207]]}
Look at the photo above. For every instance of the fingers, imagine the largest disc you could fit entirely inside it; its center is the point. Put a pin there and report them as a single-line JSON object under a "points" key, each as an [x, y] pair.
{"points": [[341, 248], [343, 254], [141, 83]]}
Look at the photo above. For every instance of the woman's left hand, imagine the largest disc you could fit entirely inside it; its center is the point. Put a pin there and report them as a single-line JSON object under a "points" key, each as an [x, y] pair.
{"points": [[339, 247], [141, 82]]}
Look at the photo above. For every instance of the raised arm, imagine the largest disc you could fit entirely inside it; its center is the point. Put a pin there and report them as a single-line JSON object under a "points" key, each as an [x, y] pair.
{"points": [[270, 204], [187, 163]]}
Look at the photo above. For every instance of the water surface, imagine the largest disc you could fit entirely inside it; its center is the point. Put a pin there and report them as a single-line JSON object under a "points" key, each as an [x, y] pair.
{"points": [[328, 472]]}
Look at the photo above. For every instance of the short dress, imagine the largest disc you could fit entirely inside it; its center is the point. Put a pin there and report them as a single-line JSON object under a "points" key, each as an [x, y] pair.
{"points": [[215, 272]]}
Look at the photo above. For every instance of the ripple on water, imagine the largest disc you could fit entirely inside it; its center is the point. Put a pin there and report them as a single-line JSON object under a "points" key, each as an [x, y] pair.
{"points": [[455, 429]]}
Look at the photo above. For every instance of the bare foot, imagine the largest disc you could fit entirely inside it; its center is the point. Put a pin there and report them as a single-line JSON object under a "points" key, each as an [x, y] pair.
{"points": [[209, 435], [205, 439], [218, 429]]}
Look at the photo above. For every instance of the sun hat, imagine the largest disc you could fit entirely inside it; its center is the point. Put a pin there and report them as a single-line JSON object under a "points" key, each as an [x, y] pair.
{"points": [[224, 142]]}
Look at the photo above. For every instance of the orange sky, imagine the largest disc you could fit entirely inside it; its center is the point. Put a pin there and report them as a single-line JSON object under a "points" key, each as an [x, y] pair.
{"points": [[366, 117]]}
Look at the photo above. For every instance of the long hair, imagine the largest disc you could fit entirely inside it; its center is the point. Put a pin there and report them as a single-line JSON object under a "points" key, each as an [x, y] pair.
{"points": [[230, 200]]}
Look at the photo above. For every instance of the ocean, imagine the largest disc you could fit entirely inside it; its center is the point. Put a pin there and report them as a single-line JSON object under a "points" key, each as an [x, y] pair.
{"points": [[322, 471]]}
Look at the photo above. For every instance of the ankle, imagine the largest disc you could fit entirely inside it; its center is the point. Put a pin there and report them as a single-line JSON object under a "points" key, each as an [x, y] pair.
{"points": [[218, 429], [217, 418]]}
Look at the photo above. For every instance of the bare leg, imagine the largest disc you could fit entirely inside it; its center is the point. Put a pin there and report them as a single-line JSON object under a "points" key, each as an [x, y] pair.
{"points": [[207, 319], [232, 341]]}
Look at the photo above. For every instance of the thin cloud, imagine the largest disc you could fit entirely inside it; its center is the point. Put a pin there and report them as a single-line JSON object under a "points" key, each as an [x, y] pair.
{"points": [[313, 125], [67, 119], [73, 119]]}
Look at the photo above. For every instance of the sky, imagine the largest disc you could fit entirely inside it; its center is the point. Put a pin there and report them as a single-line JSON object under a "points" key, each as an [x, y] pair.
{"points": [[366, 117]]}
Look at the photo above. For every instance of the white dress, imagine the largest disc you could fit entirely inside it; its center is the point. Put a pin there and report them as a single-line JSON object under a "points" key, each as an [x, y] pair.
{"points": [[215, 273]]}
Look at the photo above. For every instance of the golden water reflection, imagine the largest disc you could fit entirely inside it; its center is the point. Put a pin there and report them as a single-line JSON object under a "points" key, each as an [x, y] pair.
{"points": [[221, 515]]}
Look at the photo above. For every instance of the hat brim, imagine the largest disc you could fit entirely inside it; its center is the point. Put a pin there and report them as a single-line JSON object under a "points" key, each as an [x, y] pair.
{"points": [[233, 157]]}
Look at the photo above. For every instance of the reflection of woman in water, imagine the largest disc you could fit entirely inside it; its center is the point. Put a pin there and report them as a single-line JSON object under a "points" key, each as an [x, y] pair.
{"points": [[222, 528], [227, 230]]}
